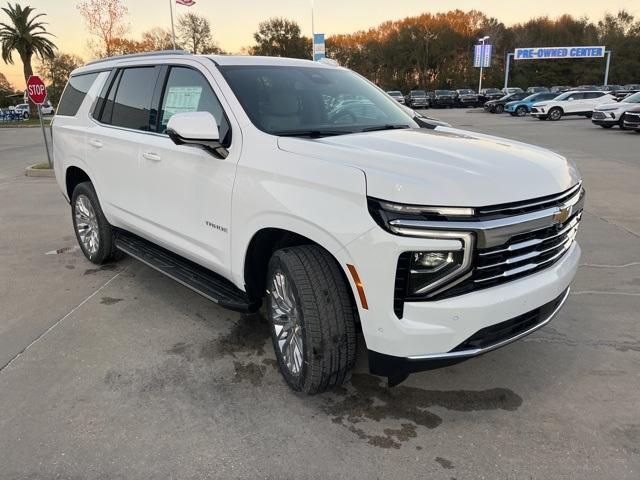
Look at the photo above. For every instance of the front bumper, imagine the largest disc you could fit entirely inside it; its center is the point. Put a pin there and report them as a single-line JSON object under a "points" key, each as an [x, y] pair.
{"points": [[605, 118], [396, 369]]}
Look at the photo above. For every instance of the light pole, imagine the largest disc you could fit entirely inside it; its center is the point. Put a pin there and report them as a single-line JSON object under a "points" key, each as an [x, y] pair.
{"points": [[313, 33], [483, 39]]}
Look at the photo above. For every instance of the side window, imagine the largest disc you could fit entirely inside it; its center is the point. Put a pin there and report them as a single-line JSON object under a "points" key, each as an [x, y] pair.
{"points": [[75, 93], [107, 112], [187, 90], [131, 105], [594, 95]]}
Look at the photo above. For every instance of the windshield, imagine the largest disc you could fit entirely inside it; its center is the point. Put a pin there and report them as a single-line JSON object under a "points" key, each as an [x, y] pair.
{"points": [[443, 92], [492, 90], [313, 101], [395, 93], [635, 98], [418, 93], [466, 92], [564, 95]]}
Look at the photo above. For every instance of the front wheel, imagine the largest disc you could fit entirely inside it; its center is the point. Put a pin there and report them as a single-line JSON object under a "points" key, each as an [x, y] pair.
{"points": [[555, 114], [311, 317], [499, 109]]}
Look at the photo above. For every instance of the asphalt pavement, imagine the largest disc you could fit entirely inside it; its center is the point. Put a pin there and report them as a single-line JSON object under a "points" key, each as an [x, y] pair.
{"points": [[117, 372]]}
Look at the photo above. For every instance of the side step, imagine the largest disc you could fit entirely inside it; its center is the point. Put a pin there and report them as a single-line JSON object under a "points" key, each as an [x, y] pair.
{"points": [[199, 279]]}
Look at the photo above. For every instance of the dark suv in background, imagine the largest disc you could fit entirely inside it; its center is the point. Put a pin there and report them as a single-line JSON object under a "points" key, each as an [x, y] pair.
{"points": [[442, 98], [465, 97], [417, 99], [487, 94]]}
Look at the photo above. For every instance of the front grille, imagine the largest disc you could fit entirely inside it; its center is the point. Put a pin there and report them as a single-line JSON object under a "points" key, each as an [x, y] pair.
{"points": [[500, 332], [525, 253], [528, 206], [632, 117]]}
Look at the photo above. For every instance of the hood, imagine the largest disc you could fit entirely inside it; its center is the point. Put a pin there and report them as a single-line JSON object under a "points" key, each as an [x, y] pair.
{"points": [[513, 102], [617, 106], [444, 166]]}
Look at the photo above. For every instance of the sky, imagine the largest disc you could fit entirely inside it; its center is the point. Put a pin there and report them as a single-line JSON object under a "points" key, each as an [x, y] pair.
{"points": [[234, 21]]}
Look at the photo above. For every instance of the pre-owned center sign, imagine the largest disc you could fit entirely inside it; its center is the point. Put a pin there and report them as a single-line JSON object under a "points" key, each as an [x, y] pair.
{"points": [[542, 53]]}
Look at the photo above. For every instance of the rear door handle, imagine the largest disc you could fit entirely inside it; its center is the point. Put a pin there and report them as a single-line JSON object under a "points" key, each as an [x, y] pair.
{"points": [[95, 143], [153, 156]]}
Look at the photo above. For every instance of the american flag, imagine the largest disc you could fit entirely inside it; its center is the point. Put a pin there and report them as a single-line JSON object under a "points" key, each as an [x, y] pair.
{"points": [[186, 3]]}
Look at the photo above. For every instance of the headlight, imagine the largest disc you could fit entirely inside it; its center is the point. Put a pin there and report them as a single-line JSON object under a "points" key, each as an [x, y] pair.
{"points": [[427, 272], [430, 269]]}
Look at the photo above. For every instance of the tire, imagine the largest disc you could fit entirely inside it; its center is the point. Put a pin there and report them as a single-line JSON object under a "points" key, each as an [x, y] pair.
{"points": [[621, 124], [87, 214], [308, 295], [555, 114], [521, 111], [499, 109], [25, 115]]}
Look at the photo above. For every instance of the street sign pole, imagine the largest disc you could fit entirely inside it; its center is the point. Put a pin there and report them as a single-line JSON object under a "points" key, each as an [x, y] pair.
{"points": [[37, 92], [606, 71], [506, 70], [44, 136]]}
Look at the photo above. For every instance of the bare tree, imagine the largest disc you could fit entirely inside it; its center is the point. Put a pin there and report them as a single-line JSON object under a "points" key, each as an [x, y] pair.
{"points": [[195, 33], [105, 20], [158, 39]]}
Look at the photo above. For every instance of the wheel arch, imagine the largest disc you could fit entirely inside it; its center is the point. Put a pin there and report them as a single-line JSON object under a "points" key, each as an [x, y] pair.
{"points": [[73, 176], [264, 244]]}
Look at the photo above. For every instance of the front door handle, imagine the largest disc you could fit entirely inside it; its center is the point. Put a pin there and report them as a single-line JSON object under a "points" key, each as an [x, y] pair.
{"points": [[95, 143], [153, 156]]}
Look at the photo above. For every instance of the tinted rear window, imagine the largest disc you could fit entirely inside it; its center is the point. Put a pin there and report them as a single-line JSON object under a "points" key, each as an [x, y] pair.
{"points": [[133, 98], [74, 94]]}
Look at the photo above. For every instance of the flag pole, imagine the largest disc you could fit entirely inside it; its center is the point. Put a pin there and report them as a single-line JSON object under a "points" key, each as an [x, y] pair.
{"points": [[173, 29]]}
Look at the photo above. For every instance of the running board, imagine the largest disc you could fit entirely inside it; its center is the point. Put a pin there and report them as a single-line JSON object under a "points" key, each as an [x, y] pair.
{"points": [[199, 279]]}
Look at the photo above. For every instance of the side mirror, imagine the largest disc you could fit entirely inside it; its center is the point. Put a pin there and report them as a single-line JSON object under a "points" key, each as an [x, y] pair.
{"points": [[196, 128]]}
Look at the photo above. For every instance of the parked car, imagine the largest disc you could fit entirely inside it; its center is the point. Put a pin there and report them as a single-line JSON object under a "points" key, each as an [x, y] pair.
{"points": [[487, 94], [497, 106], [397, 95], [536, 90], [559, 89], [611, 88], [441, 98], [632, 119], [586, 88], [632, 86], [608, 115], [251, 190], [417, 99], [22, 110], [507, 91], [520, 108], [47, 108], [465, 97], [570, 103]]}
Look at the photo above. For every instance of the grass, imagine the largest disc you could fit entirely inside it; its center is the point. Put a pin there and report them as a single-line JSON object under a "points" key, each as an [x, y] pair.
{"points": [[41, 166], [32, 122]]}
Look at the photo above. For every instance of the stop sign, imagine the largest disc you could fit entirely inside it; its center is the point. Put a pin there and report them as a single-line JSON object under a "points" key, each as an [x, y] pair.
{"points": [[36, 90]]}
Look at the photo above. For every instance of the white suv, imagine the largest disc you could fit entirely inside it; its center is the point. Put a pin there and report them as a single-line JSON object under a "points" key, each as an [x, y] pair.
{"points": [[609, 114], [570, 103], [247, 178]]}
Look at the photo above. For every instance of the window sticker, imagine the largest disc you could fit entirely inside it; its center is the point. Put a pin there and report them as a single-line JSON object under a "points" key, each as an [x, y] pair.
{"points": [[181, 100]]}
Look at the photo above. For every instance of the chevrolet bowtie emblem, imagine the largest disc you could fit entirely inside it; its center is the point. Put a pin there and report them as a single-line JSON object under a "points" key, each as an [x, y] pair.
{"points": [[562, 215]]}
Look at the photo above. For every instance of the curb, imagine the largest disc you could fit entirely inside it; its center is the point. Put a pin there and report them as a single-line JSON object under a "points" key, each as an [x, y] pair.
{"points": [[39, 172]]}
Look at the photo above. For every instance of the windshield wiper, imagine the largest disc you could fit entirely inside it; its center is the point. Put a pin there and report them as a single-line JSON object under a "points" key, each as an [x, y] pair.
{"points": [[385, 127], [313, 133]]}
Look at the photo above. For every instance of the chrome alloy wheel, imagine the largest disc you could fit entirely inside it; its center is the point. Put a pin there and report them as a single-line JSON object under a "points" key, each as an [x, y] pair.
{"points": [[285, 317], [87, 224]]}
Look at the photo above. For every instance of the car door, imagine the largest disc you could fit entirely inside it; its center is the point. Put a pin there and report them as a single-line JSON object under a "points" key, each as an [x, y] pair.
{"points": [[574, 103], [123, 121], [187, 190]]}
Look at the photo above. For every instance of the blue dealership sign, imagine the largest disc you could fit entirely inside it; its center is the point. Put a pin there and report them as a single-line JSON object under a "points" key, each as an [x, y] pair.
{"points": [[318, 46], [542, 53], [482, 55]]}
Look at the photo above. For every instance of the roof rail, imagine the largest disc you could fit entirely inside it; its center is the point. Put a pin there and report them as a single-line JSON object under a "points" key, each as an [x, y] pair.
{"points": [[140, 55]]}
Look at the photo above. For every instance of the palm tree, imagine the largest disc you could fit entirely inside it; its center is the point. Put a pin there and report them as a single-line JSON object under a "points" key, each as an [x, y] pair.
{"points": [[26, 35]]}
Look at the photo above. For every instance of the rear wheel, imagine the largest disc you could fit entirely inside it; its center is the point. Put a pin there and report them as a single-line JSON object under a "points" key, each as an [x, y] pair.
{"points": [[555, 114], [521, 111], [93, 231], [312, 319]]}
